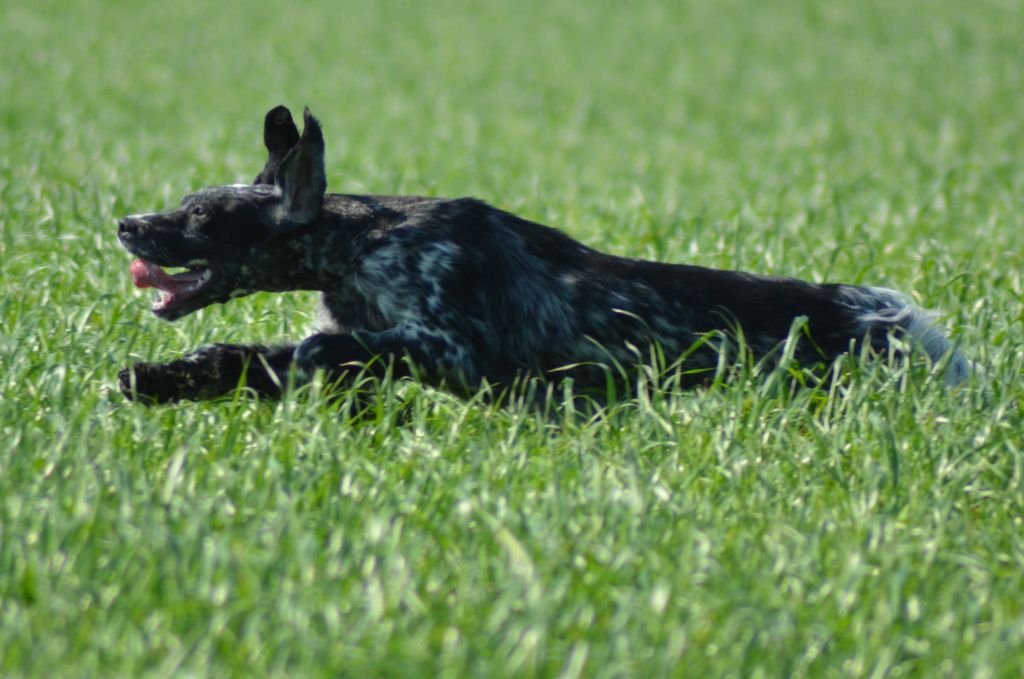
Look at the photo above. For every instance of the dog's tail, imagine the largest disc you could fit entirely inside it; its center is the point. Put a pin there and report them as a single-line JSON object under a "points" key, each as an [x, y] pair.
{"points": [[882, 309]]}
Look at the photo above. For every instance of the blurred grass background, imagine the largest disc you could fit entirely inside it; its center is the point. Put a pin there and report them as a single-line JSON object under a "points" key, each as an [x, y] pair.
{"points": [[740, 531]]}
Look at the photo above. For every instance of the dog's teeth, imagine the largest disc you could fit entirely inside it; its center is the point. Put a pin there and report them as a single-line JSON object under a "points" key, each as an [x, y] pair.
{"points": [[162, 299]]}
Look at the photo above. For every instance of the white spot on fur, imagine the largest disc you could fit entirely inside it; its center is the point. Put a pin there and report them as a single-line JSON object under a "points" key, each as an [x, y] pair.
{"points": [[381, 279], [324, 321], [437, 258], [435, 261]]}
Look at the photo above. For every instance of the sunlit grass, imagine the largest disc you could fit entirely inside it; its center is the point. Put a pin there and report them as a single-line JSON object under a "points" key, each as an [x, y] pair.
{"points": [[866, 526]]}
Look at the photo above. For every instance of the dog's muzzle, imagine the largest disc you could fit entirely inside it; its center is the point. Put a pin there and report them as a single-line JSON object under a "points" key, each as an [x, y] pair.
{"points": [[128, 228]]}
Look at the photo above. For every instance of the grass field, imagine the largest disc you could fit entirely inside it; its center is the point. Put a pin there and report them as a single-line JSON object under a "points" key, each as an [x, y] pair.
{"points": [[874, 527]]}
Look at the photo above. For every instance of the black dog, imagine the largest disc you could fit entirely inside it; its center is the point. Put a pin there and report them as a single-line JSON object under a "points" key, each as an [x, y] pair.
{"points": [[461, 292]]}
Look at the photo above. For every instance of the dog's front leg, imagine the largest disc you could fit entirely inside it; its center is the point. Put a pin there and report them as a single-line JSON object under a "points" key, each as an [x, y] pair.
{"points": [[438, 355], [208, 373]]}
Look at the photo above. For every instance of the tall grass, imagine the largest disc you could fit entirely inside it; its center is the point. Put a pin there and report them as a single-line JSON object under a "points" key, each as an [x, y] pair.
{"points": [[868, 526]]}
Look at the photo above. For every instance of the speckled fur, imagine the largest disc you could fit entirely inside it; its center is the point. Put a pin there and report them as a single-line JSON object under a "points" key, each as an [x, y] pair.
{"points": [[465, 293]]}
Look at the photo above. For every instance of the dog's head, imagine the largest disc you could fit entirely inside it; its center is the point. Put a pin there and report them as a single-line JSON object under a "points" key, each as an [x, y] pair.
{"points": [[218, 232]]}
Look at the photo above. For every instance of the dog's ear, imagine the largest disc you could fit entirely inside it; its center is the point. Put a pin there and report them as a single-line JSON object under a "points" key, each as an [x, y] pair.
{"points": [[279, 135], [301, 178]]}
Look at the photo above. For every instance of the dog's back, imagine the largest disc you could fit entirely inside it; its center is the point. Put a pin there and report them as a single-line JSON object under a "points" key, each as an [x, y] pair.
{"points": [[525, 297]]}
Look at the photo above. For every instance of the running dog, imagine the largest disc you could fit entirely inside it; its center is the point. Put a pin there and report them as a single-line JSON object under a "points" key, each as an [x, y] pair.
{"points": [[460, 293]]}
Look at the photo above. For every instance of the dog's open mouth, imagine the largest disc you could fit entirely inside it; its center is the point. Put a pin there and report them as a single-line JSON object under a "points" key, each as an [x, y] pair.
{"points": [[174, 289]]}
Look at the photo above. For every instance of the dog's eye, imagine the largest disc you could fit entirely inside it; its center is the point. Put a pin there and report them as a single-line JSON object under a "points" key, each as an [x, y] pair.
{"points": [[198, 211]]}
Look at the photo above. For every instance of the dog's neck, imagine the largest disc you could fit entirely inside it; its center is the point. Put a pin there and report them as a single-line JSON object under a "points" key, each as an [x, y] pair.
{"points": [[321, 255], [316, 256]]}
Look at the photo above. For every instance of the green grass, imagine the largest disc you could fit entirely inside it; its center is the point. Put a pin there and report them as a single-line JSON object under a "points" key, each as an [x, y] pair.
{"points": [[871, 529]]}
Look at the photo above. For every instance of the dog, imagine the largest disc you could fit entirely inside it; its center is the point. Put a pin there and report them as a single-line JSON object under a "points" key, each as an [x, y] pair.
{"points": [[462, 294]]}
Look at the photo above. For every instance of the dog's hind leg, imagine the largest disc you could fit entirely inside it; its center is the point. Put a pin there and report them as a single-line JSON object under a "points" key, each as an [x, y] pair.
{"points": [[210, 372]]}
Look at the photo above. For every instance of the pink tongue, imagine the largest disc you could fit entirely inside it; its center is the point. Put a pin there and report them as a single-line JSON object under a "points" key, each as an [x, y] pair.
{"points": [[147, 275]]}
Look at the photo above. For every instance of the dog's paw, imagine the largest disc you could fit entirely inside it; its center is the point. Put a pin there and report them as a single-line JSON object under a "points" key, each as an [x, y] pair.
{"points": [[152, 383]]}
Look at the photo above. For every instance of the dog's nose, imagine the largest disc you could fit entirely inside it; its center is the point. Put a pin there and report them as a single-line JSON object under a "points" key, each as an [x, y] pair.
{"points": [[126, 227]]}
